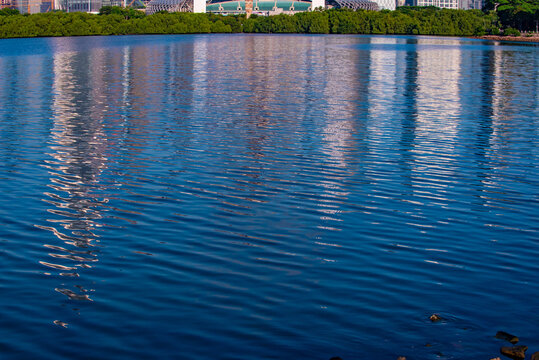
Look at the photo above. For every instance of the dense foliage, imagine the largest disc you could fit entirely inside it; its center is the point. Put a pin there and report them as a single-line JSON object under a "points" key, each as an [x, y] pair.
{"points": [[519, 14], [114, 21]]}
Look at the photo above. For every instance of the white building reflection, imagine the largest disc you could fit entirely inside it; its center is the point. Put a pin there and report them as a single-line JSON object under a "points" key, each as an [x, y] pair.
{"points": [[341, 94], [90, 91], [78, 145], [382, 95], [438, 113], [342, 120]]}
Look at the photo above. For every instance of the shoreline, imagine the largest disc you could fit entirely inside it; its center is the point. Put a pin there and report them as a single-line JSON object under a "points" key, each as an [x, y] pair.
{"points": [[532, 39], [508, 38]]}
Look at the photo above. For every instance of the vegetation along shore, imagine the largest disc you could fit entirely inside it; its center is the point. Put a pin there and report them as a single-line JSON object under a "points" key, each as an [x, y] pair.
{"points": [[124, 21]]}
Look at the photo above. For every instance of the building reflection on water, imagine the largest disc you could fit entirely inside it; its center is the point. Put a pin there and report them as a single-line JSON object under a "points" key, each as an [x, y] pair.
{"points": [[437, 120], [93, 121], [363, 113], [78, 144], [342, 129]]}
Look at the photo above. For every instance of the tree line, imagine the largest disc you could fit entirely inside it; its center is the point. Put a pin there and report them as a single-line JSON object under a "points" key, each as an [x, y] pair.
{"points": [[124, 21]]}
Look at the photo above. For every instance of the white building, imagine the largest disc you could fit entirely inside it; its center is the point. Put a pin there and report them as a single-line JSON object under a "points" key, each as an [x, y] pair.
{"points": [[447, 4], [386, 4]]}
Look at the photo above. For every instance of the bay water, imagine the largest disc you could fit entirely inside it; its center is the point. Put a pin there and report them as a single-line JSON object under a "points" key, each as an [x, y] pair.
{"points": [[267, 197]]}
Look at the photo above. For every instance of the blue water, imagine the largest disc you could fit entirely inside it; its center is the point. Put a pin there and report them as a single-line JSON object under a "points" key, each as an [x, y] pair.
{"points": [[267, 197]]}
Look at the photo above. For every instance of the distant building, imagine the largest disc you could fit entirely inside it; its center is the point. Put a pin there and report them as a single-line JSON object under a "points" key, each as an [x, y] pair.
{"points": [[353, 4], [85, 5], [445, 4], [272, 7], [27, 6], [386, 4], [261, 7], [471, 4], [6, 4], [41, 6], [477, 4], [198, 6]]}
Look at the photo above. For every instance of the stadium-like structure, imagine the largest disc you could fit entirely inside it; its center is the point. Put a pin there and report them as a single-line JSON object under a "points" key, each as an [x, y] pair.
{"points": [[233, 7], [262, 7]]}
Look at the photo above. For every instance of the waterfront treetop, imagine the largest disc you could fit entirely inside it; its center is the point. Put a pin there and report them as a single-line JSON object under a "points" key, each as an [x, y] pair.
{"points": [[120, 21]]}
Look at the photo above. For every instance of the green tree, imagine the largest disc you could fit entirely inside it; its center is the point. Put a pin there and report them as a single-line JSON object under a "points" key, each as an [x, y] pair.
{"points": [[8, 12], [521, 14]]}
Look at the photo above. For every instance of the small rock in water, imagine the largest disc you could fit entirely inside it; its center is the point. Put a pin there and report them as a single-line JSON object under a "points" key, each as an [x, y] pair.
{"points": [[506, 336], [496, 358], [535, 356], [401, 358], [514, 352], [435, 317]]}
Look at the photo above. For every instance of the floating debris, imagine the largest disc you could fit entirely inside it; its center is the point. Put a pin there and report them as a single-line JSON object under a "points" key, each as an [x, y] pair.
{"points": [[73, 295], [60, 323], [514, 352], [506, 336], [143, 253]]}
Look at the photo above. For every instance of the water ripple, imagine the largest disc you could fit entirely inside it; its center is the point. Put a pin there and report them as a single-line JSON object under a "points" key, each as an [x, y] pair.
{"points": [[214, 196]]}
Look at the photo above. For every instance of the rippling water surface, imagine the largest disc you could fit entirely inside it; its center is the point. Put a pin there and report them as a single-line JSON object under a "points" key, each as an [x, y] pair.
{"points": [[267, 197]]}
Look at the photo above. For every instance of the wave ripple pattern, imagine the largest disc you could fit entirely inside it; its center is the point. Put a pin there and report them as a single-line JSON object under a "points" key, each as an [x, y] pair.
{"points": [[267, 197]]}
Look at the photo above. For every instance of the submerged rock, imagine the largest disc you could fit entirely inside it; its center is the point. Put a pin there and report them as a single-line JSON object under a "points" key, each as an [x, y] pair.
{"points": [[514, 352], [535, 356], [435, 317], [506, 336], [401, 358]]}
